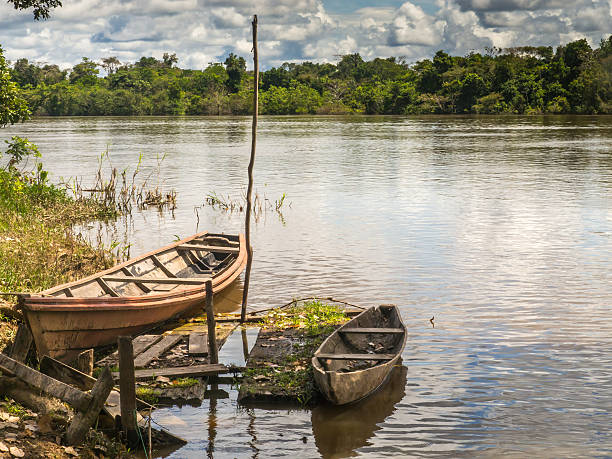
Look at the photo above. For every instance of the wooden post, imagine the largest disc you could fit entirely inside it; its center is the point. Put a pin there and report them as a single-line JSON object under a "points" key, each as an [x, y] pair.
{"points": [[213, 352], [85, 362], [127, 388], [83, 420], [247, 223], [245, 345], [21, 345]]}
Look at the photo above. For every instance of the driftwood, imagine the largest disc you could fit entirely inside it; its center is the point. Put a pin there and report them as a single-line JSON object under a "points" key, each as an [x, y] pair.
{"points": [[58, 389], [19, 391], [72, 376], [88, 406]]}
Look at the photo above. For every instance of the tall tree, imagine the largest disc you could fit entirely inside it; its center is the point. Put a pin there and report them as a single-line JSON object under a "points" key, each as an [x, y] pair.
{"points": [[13, 107], [235, 67], [110, 64], [40, 7]]}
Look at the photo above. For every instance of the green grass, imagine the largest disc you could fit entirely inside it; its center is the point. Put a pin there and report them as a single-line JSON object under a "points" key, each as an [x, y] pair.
{"points": [[147, 394], [184, 382], [313, 316], [38, 248], [14, 408]]}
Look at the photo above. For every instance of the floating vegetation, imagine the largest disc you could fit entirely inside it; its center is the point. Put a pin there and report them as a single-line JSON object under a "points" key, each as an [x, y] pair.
{"points": [[280, 363], [312, 316], [260, 205]]}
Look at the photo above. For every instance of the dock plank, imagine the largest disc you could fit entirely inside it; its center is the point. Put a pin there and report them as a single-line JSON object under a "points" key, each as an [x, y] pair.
{"points": [[166, 343], [141, 343], [179, 372], [198, 344]]}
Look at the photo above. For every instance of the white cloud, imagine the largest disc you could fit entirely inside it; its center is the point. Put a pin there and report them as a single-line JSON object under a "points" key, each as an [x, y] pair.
{"points": [[201, 31], [412, 26]]}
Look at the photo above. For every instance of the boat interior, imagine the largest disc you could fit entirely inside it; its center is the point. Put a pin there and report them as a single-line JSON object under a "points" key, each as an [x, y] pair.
{"points": [[372, 338], [176, 268]]}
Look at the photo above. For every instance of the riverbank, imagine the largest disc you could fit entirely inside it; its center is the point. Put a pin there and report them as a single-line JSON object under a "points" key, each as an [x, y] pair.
{"points": [[38, 249]]}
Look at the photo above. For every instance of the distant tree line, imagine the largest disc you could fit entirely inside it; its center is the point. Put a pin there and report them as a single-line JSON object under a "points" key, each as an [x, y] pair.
{"points": [[574, 78]]}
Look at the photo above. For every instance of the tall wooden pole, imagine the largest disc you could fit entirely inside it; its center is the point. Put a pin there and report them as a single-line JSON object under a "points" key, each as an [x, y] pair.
{"points": [[247, 223]]}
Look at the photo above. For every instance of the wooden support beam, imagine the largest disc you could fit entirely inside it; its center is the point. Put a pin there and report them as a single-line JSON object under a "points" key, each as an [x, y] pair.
{"points": [[65, 373], [21, 345], [198, 344], [157, 280], [85, 361], [83, 420], [166, 343], [389, 331], [356, 356], [209, 248], [107, 288], [140, 285], [127, 386], [74, 377], [179, 372], [58, 389], [213, 351], [162, 266]]}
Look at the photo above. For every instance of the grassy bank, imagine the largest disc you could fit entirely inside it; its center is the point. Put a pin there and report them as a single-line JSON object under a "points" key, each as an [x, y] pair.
{"points": [[38, 248]]}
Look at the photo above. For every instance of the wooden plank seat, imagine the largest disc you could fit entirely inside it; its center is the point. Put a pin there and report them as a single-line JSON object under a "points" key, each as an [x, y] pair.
{"points": [[372, 330], [158, 280], [356, 356], [209, 248]]}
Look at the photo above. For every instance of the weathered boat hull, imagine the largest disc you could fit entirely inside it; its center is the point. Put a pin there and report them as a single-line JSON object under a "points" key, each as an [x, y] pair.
{"points": [[341, 385], [63, 325]]}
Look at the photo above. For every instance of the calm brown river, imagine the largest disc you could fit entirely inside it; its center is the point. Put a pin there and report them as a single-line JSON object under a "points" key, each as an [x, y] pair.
{"points": [[500, 228]]}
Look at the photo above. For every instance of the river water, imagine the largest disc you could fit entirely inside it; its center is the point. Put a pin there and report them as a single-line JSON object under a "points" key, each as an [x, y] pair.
{"points": [[500, 228]]}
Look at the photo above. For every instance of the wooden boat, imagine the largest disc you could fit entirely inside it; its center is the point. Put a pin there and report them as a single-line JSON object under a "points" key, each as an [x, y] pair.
{"points": [[134, 296], [357, 358]]}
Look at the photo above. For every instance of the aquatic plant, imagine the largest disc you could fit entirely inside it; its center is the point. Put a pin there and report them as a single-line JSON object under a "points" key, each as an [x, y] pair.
{"points": [[260, 204], [313, 316], [121, 191]]}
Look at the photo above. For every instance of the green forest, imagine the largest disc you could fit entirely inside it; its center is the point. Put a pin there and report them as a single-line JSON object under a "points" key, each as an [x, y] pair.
{"points": [[574, 78]]}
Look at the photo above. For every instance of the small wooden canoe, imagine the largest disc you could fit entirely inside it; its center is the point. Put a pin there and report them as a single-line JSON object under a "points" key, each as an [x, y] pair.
{"points": [[134, 296], [357, 358]]}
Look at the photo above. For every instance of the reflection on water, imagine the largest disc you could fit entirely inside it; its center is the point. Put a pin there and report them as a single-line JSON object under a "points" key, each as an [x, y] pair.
{"points": [[500, 227], [340, 430]]}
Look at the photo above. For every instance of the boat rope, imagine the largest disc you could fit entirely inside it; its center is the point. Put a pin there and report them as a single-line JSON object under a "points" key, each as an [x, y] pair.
{"points": [[144, 448]]}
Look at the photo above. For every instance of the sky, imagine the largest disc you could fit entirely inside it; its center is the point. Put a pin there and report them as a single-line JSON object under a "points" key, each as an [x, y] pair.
{"points": [[205, 31]]}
